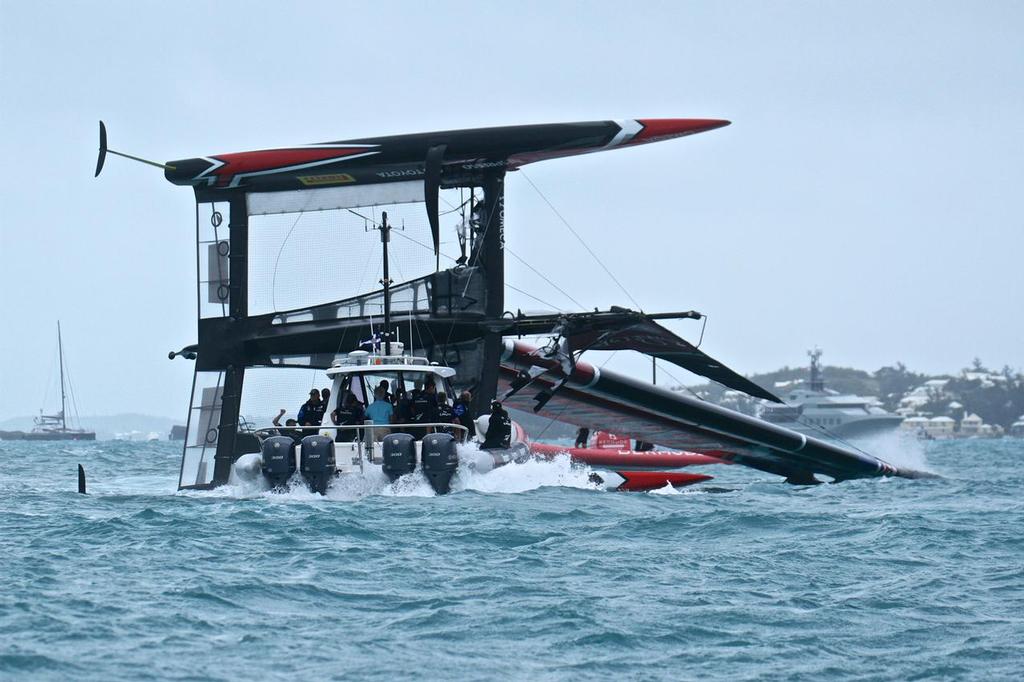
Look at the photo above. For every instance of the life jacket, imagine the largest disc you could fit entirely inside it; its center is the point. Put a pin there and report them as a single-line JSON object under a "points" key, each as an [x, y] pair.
{"points": [[499, 432], [311, 415], [424, 407], [403, 411], [349, 416], [461, 414]]}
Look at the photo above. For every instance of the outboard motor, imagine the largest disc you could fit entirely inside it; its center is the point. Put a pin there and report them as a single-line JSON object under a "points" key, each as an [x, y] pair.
{"points": [[440, 460], [399, 455], [316, 462], [278, 454]]}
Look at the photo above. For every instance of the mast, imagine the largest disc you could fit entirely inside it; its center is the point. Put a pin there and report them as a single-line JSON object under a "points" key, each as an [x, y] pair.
{"points": [[63, 399], [817, 382], [385, 237]]}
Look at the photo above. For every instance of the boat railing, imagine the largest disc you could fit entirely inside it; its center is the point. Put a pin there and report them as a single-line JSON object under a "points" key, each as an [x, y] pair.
{"points": [[367, 426]]}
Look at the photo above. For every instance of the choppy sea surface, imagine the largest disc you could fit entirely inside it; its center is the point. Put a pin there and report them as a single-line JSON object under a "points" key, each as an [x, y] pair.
{"points": [[524, 573]]}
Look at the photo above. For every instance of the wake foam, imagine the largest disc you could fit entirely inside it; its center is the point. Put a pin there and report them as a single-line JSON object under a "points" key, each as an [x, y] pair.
{"points": [[519, 477], [246, 481], [900, 449]]}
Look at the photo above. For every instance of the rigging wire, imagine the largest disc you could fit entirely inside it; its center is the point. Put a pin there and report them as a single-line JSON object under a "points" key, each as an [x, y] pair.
{"points": [[542, 302], [681, 384], [425, 246], [580, 240], [277, 261], [49, 379], [565, 403], [541, 275], [74, 397], [827, 432]]}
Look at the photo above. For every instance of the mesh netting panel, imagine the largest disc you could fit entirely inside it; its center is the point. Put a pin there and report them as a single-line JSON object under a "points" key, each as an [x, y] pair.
{"points": [[303, 259], [268, 390], [213, 250]]}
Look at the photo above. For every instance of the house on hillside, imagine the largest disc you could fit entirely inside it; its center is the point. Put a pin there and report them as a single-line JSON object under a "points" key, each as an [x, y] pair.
{"points": [[1017, 428], [941, 427]]}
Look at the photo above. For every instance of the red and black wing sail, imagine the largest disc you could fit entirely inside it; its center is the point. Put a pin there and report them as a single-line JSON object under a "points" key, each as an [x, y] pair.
{"points": [[461, 155]]}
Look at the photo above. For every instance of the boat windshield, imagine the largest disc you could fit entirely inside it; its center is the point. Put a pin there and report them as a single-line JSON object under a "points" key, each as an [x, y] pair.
{"points": [[363, 384]]}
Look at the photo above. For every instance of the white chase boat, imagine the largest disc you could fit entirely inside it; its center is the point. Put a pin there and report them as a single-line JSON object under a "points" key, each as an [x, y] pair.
{"points": [[319, 454]]}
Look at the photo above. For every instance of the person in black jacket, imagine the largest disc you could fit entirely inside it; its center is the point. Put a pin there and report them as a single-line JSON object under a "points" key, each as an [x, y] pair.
{"points": [[351, 413], [312, 411], [403, 410], [444, 413], [499, 429]]}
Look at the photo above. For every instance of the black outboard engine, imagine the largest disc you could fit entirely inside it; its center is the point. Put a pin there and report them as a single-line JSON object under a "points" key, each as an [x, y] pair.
{"points": [[399, 455], [316, 462], [278, 454], [440, 460]]}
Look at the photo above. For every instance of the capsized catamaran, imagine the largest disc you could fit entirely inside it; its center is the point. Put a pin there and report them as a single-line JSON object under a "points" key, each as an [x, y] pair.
{"points": [[463, 332]]}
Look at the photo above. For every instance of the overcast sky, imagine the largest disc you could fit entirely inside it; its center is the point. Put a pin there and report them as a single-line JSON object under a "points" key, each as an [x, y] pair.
{"points": [[867, 197]]}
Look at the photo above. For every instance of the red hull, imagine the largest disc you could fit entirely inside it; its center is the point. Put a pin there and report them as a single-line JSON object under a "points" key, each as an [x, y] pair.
{"points": [[639, 481], [654, 459]]}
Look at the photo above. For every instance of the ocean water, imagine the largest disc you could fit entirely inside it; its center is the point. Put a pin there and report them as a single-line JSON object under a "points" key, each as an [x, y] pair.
{"points": [[525, 573]]}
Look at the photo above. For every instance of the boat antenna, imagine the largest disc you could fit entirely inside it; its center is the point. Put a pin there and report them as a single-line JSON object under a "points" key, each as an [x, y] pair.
{"points": [[385, 237], [104, 150], [63, 399]]}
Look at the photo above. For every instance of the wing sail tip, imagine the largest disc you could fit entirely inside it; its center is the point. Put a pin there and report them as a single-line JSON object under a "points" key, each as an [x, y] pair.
{"points": [[103, 150]]}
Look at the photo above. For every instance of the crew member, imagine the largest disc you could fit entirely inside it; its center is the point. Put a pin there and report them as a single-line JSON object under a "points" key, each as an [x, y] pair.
{"points": [[424, 408], [444, 413], [380, 411], [312, 411], [462, 414], [402, 411], [499, 429], [383, 385], [293, 433], [582, 437], [350, 413]]}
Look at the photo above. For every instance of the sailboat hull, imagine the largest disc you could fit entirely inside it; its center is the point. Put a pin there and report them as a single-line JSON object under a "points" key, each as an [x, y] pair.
{"points": [[47, 435]]}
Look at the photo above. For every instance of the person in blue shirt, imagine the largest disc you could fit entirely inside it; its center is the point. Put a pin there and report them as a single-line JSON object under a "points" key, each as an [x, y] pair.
{"points": [[380, 411]]}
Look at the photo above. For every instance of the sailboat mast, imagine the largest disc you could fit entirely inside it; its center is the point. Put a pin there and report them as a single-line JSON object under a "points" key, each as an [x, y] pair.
{"points": [[385, 237], [63, 399]]}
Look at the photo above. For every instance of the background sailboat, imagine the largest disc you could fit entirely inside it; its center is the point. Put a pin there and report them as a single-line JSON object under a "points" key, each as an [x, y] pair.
{"points": [[53, 426]]}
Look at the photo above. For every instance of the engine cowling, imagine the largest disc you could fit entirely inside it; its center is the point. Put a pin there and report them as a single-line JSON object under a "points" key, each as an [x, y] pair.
{"points": [[316, 462], [278, 455], [399, 453], [440, 460]]}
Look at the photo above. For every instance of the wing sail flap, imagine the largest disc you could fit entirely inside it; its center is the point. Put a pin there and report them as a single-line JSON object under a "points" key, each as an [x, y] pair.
{"points": [[647, 336]]}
